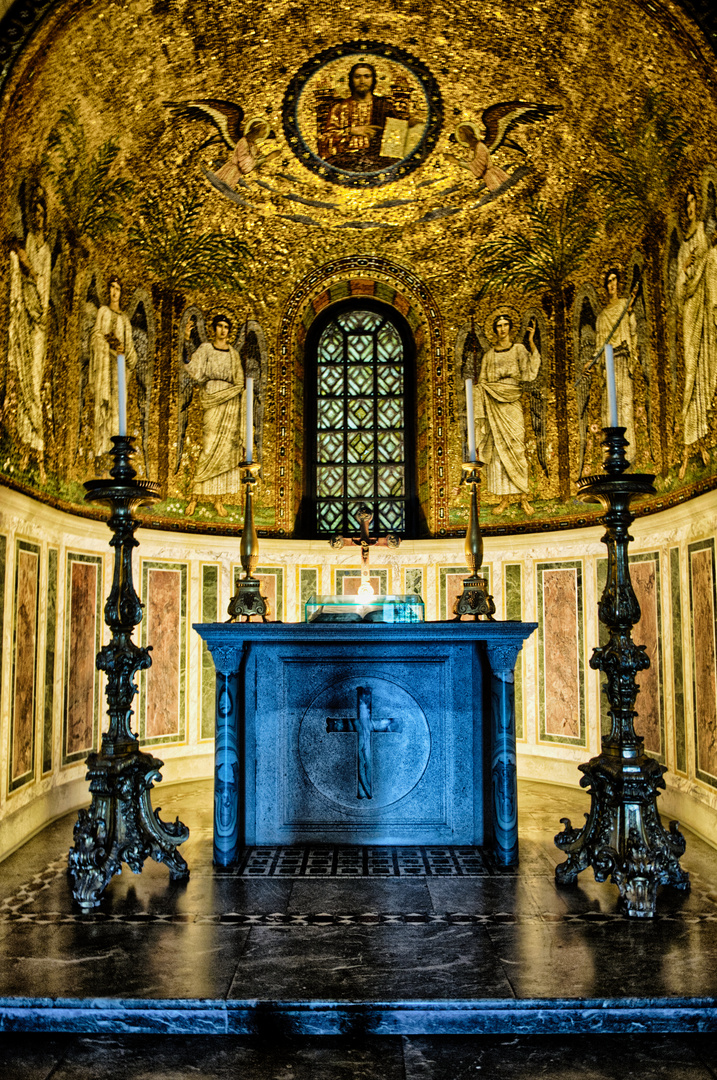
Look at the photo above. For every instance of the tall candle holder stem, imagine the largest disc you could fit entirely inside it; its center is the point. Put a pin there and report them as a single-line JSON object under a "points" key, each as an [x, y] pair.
{"points": [[623, 836], [475, 600], [248, 599], [120, 824]]}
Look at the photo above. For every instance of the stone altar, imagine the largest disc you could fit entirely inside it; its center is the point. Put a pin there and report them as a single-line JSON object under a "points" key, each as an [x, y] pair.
{"points": [[365, 734]]}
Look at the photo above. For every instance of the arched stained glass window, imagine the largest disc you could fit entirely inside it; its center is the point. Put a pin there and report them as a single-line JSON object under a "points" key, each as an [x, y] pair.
{"points": [[362, 456]]}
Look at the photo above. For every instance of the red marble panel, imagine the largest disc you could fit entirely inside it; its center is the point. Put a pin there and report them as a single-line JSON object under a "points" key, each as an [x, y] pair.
{"points": [[704, 645], [80, 670], [163, 614], [350, 585], [561, 644], [647, 721], [268, 590], [454, 588], [25, 653]]}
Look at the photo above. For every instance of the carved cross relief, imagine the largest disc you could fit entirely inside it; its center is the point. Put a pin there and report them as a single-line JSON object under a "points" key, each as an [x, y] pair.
{"points": [[364, 725]]}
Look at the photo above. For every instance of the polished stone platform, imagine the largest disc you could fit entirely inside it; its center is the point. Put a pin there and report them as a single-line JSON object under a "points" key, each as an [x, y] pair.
{"points": [[462, 947]]}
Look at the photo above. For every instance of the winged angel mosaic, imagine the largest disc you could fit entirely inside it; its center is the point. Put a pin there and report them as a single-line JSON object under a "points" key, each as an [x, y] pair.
{"points": [[362, 115], [507, 371]]}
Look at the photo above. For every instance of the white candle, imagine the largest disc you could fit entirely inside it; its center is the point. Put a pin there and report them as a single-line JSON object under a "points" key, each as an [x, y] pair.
{"points": [[611, 387], [249, 419], [470, 421], [121, 394]]}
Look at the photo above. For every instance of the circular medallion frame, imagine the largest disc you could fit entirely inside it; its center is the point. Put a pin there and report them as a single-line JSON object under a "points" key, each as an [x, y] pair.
{"points": [[361, 161]]}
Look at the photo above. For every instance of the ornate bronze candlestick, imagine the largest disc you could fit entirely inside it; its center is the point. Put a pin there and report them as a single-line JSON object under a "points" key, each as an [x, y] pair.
{"points": [[120, 824], [247, 599], [475, 599], [623, 836]]}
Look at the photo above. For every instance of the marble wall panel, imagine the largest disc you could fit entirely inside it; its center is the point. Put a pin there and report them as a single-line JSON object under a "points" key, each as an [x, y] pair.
{"points": [[650, 706], [678, 672], [83, 623], [348, 582], [207, 673], [272, 588], [450, 587], [704, 658], [163, 686], [50, 656], [307, 586], [602, 636], [24, 674], [513, 600], [413, 581], [3, 558], [561, 652]]}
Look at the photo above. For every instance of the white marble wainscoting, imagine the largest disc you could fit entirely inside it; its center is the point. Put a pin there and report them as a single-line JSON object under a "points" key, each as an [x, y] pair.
{"points": [[553, 579]]}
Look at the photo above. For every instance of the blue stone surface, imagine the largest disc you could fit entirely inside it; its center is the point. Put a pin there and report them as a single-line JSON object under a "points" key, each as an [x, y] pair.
{"points": [[365, 734]]}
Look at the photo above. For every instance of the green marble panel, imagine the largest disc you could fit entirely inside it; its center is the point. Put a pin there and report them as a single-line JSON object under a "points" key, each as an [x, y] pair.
{"points": [[561, 652], [308, 587], [50, 648], [449, 590], [413, 578], [210, 613], [513, 592], [678, 663]]}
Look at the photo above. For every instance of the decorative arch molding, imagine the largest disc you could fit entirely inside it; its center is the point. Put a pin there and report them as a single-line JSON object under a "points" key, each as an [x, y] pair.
{"points": [[396, 286]]}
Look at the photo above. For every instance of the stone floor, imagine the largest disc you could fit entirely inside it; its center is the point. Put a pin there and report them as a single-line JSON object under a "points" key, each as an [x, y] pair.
{"points": [[431, 964]]}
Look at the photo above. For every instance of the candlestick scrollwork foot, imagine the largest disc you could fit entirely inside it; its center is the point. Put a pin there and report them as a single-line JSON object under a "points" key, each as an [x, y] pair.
{"points": [[623, 837], [475, 600], [248, 599], [120, 824]]}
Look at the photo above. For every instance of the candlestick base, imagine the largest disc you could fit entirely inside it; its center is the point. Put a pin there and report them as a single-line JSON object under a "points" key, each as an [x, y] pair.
{"points": [[475, 600], [623, 836], [120, 824], [248, 601]]}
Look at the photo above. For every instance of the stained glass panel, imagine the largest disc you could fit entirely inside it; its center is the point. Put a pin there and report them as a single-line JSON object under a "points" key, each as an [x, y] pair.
{"points": [[392, 516], [330, 481], [330, 516], [360, 381], [331, 346], [389, 413], [389, 380], [331, 446], [390, 481], [359, 413], [360, 446], [330, 413], [330, 380], [360, 481], [389, 345], [366, 322], [390, 446], [360, 350]]}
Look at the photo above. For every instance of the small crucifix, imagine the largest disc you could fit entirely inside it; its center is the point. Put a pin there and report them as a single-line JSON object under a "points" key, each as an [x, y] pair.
{"points": [[366, 542], [364, 724]]}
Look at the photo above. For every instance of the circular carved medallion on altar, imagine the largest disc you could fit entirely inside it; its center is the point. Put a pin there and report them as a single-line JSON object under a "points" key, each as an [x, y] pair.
{"points": [[364, 743]]}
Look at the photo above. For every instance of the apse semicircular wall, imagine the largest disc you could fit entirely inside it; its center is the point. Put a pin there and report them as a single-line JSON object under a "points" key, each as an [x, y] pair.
{"points": [[165, 163]]}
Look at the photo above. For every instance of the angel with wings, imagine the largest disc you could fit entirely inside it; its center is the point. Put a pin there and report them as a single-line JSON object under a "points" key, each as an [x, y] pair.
{"points": [[622, 323], [498, 121], [696, 297], [241, 139], [507, 369]]}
